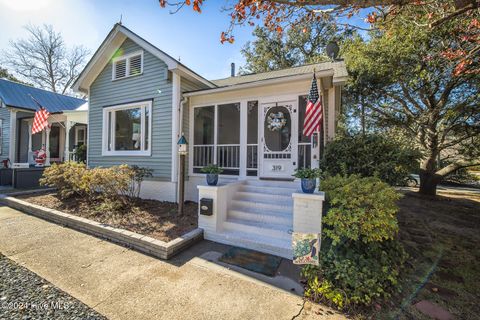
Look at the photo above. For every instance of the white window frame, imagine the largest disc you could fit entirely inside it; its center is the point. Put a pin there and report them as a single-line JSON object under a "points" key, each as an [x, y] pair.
{"points": [[127, 57], [145, 105], [84, 138]]}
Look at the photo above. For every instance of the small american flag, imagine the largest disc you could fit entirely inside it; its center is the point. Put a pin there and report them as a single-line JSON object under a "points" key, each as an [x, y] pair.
{"points": [[314, 112], [40, 121]]}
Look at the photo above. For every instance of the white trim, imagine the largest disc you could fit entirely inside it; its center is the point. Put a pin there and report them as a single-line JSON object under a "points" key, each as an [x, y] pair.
{"points": [[13, 134], [319, 74], [77, 128], [105, 128], [127, 58], [176, 90], [111, 43]]}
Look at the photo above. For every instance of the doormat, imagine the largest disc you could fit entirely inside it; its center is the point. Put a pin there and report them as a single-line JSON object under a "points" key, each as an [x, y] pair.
{"points": [[252, 260]]}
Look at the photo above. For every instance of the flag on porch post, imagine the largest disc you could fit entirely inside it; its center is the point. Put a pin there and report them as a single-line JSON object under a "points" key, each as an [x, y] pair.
{"points": [[314, 112], [41, 118]]}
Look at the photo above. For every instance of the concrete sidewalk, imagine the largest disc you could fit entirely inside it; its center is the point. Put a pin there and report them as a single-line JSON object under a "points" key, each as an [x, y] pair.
{"points": [[123, 284]]}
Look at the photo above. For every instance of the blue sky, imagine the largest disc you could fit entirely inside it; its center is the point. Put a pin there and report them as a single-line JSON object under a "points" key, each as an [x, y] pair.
{"points": [[192, 37]]}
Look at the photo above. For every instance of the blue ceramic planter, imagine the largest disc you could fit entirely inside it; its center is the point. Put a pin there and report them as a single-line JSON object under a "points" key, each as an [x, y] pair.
{"points": [[212, 179], [309, 185]]}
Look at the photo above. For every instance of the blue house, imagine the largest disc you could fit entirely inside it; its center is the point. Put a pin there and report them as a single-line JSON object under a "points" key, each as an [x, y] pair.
{"points": [[67, 129], [141, 100]]}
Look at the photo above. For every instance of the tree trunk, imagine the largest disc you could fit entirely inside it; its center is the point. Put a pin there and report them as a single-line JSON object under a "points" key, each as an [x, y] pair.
{"points": [[428, 183]]}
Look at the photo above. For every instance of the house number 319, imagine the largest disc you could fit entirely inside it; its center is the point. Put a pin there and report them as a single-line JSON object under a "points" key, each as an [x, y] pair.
{"points": [[276, 168]]}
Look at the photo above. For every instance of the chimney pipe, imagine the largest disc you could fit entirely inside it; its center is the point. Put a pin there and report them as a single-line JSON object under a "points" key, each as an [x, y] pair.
{"points": [[232, 72]]}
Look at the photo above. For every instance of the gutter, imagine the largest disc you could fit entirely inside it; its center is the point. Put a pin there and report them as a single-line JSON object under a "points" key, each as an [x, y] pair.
{"points": [[247, 85]]}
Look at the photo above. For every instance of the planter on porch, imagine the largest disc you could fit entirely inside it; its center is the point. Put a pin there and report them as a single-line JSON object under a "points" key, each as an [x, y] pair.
{"points": [[212, 172], [309, 185], [212, 179]]}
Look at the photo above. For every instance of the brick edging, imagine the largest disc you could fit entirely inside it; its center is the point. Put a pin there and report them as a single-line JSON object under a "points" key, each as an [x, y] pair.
{"points": [[139, 242]]}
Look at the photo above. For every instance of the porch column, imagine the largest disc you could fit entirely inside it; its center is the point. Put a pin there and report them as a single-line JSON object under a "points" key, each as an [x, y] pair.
{"points": [[331, 114], [243, 139], [13, 136], [66, 154], [47, 145], [30, 151]]}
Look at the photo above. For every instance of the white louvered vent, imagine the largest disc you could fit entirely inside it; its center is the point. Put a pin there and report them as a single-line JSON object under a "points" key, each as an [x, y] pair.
{"points": [[128, 65], [135, 65], [120, 69]]}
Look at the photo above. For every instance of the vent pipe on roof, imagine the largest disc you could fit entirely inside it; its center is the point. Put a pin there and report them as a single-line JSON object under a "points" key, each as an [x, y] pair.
{"points": [[232, 72]]}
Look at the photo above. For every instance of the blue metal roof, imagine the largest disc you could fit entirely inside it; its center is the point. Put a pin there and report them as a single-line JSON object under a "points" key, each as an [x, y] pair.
{"points": [[18, 95]]}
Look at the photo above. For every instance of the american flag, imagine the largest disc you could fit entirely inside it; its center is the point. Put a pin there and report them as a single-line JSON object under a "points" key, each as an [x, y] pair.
{"points": [[40, 121], [314, 112]]}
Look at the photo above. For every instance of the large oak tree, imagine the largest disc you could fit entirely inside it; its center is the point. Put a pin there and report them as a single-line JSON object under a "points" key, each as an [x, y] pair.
{"points": [[409, 85]]}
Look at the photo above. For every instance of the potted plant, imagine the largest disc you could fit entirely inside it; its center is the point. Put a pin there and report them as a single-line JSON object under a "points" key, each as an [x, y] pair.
{"points": [[212, 172], [308, 178]]}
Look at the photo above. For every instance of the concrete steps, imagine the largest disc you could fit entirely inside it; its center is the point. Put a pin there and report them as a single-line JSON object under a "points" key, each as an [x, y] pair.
{"points": [[260, 217]]}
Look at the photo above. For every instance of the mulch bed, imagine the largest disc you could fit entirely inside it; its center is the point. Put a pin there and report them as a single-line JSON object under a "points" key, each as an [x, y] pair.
{"points": [[152, 218]]}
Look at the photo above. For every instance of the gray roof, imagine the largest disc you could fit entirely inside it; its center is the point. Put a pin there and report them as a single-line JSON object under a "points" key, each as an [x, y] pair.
{"points": [[18, 95], [338, 68]]}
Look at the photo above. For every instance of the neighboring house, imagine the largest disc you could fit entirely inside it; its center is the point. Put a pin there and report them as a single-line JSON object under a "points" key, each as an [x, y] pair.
{"points": [[141, 100], [16, 117]]}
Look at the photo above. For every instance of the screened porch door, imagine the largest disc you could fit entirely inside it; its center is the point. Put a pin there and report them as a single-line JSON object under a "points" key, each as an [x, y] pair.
{"points": [[278, 127]]}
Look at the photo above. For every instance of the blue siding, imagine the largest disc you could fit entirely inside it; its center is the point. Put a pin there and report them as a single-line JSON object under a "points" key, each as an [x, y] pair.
{"points": [[105, 92], [5, 116]]}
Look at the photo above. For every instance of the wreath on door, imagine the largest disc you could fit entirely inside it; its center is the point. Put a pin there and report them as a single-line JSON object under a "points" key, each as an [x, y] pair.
{"points": [[276, 121]]}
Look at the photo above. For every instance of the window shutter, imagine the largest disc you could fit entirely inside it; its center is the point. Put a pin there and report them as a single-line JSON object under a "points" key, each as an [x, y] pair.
{"points": [[135, 65], [120, 69], [1, 135]]}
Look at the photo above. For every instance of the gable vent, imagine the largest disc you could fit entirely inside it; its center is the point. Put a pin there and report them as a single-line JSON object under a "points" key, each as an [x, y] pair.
{"points": [[128, 65], [120, 69], [135, 65]]}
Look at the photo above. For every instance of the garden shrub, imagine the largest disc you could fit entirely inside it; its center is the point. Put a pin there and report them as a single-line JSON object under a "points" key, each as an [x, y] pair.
{"points": [[117, 185], [362, 209], [360, 258], [370, 155], [66, 178]]}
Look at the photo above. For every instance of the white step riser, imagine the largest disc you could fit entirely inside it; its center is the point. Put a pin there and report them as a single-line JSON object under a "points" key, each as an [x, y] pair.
{"points": [[263, 197], [239, 227], [265, 218], [284, 252], [273, 184], [268, 190], [262, 206]]}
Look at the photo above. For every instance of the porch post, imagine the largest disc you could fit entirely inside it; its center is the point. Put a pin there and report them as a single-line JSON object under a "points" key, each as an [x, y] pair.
{"points": [[243, 139], [66, 154], [331, 114], [13, 136], [30, 151], [47, 145]]}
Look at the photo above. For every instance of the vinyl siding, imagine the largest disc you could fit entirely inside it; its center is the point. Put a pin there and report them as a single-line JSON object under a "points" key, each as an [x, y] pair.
{"points": [[5, 116], [105, 92], [186, 86]]}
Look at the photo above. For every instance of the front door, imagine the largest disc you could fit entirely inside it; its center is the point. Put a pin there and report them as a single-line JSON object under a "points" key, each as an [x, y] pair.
{"points": [[278, 127]]}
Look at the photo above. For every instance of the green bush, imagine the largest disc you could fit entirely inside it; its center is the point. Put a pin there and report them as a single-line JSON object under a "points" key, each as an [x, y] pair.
{"points": [[360, 258], [66, 178], [355, 274], [117, 184], [362, 209], [371, 155], [307, 173]]}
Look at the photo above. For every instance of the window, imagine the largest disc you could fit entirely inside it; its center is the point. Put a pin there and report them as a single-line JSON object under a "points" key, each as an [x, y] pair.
{"points": [[1, 135], [127, 129], [80, 135], [127, 65]]}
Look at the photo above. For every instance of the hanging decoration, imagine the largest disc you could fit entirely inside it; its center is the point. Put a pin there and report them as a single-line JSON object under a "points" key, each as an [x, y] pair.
{"points": [[276, 121]]}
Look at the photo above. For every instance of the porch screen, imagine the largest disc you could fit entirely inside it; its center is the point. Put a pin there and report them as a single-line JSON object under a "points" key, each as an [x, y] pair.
{"points": [[304, 144], [228, 138], [203, 138]]}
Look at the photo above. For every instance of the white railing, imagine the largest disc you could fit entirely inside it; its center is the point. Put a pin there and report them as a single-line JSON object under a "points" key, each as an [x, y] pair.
{"points": [[252, 156], [228, 156], [203, 155], [304, 154]]}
